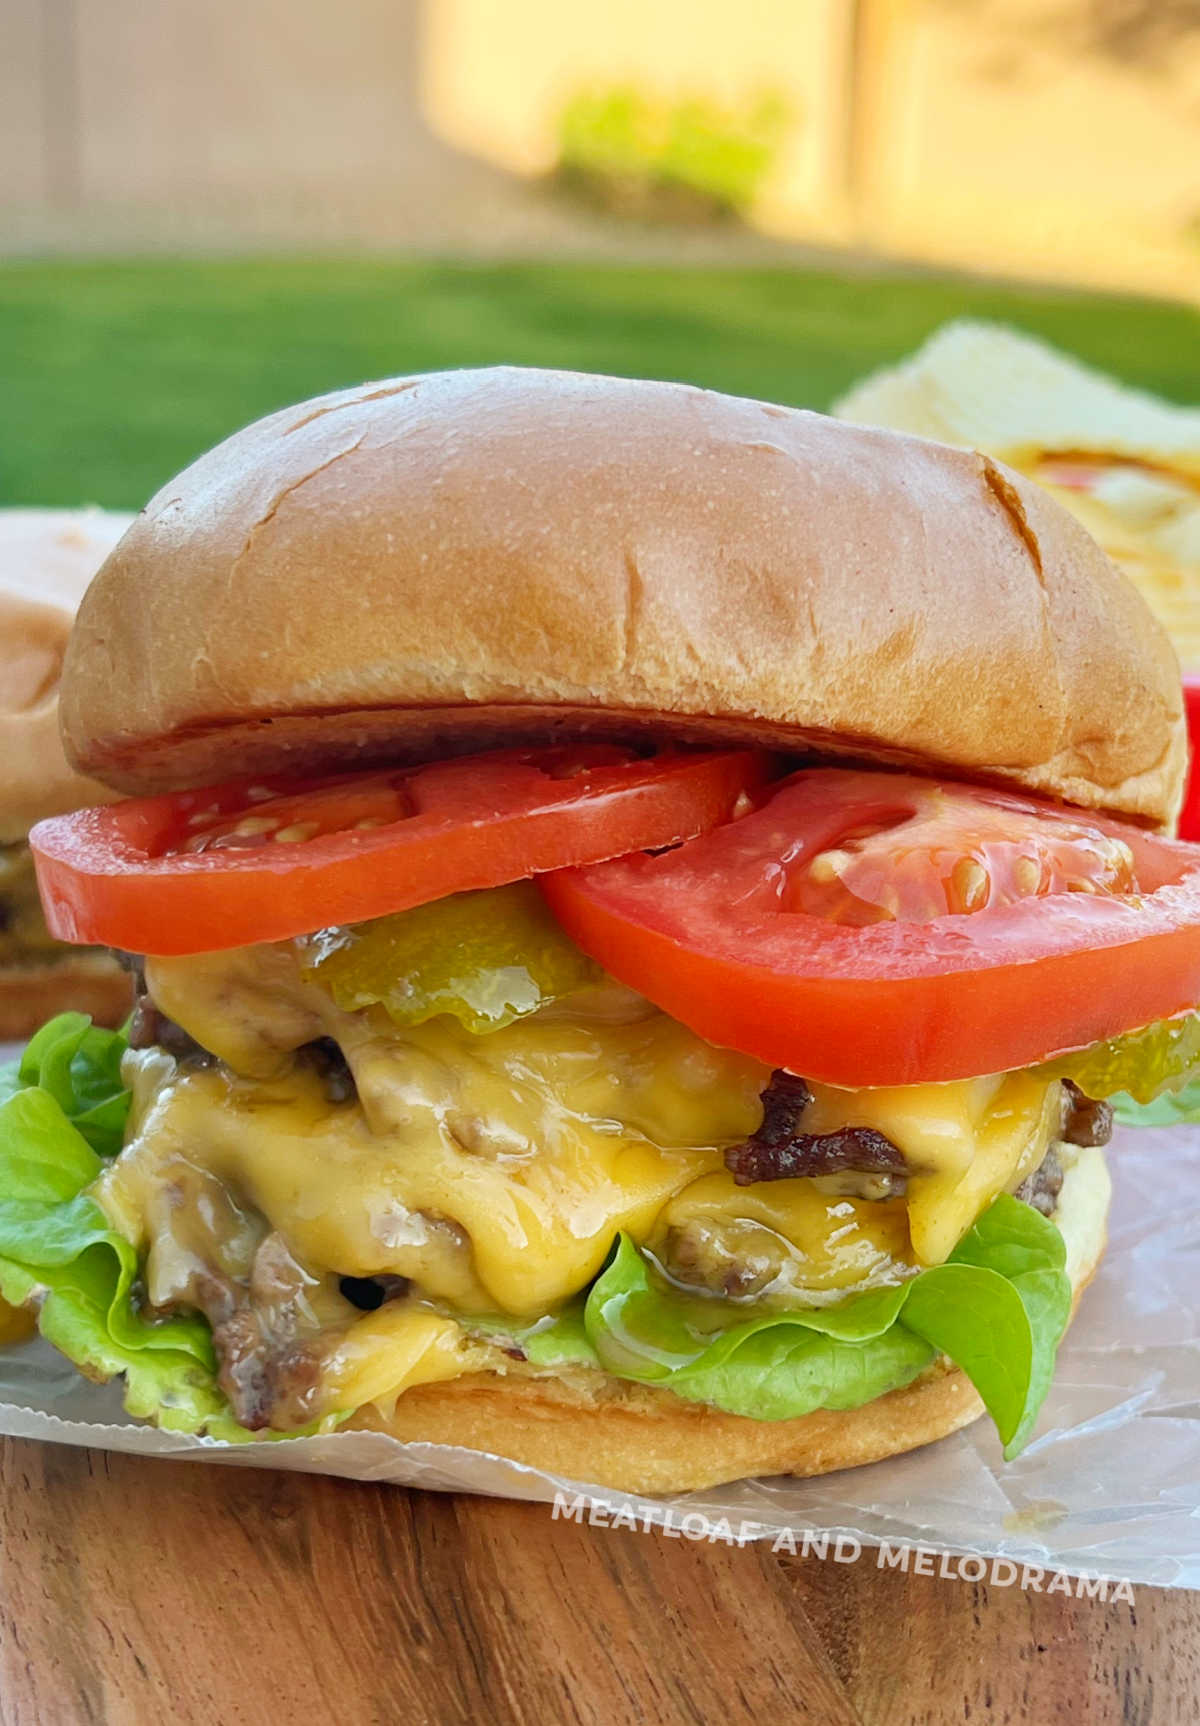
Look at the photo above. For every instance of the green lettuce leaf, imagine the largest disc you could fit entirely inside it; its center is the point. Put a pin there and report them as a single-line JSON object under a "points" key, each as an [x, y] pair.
{"points": [[1171, 1109], [62, 1111], [56, 1244], [561, 1339], [79, 1065], [997, 1308], [772, 1366]]}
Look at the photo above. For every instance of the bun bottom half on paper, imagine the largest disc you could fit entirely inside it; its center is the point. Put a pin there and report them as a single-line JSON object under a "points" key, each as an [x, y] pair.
{"points": [[592, 1428], [82, 981]]}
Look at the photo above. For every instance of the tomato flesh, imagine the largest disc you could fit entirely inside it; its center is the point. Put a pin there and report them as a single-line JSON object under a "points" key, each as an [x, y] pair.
{"points": [[265, 860], [943, 852], [868, 970]]}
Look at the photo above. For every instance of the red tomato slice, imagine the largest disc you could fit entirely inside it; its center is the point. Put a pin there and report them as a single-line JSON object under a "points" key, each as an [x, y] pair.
{"points": [[265, 860], [879, 929]]}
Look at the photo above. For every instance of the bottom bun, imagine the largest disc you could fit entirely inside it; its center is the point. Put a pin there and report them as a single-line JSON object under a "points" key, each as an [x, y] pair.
{"points": [[84, 982], [589, 1427]]}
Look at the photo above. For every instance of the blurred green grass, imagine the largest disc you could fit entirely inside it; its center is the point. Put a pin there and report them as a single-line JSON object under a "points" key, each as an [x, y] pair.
{"points": [[114, 374]]}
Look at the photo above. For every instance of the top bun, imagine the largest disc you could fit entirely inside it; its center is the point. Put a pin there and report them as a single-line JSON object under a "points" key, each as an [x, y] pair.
{"points": [[446, 562], [47, 558]]}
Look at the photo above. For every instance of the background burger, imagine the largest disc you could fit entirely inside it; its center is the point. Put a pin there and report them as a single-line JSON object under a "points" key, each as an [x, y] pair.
{"points": [[47, 558], [642, 899]]}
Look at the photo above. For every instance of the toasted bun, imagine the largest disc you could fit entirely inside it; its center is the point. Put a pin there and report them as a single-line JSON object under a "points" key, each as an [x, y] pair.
{"points": [[588, 1427], [47, 558], [82, 981], [445, 562]]}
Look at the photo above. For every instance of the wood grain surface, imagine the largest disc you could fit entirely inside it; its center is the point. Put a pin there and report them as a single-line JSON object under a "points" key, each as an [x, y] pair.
{"points": [[134, 1591]]}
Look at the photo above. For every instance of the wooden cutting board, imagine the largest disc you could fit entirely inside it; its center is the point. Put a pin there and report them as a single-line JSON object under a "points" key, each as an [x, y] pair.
{"points": [[134, 1591]]}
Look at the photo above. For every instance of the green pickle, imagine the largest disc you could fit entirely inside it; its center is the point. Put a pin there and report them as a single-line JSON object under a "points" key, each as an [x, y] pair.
{"points": [[485, 958], [1143, 1064]]}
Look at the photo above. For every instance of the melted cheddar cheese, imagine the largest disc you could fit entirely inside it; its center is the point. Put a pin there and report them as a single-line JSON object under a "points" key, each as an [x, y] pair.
{"points": [[494, 1172], [963, 1144], [385, 1353]]}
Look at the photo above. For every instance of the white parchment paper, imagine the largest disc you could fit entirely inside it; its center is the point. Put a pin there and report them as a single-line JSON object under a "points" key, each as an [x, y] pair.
{"points": [[1110, 1485]]}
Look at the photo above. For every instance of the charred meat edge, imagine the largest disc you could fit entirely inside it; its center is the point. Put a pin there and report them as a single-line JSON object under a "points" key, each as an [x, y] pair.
{"points": [[781, 1150]]}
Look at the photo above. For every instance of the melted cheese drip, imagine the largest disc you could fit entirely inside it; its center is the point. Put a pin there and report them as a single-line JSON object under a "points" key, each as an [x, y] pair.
{"points": [[495, 1171], [537, 1187], [788, 1241], [387, 1352], [963, 1144]]}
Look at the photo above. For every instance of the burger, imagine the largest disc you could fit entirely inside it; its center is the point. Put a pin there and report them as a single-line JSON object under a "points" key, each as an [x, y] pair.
{"points": [[638, 901], [47, 558]]}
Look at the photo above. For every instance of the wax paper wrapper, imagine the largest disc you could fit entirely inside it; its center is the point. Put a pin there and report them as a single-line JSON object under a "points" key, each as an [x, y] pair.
{"points": [[1110, 1486]]}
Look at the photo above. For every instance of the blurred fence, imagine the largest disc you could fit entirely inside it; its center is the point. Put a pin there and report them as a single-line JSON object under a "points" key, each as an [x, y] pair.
{"points": [[1013, 135], [171, 121]]}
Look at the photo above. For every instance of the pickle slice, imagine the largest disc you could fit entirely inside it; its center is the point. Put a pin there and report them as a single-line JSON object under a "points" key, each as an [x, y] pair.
{"points": [[485, 958], [1160, 1057]]}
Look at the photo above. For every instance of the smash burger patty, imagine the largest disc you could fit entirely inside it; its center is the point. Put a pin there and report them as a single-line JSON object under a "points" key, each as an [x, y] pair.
{"points": [[639, 899]]}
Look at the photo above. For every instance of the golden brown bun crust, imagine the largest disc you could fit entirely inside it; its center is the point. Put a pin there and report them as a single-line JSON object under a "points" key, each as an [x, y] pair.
{"points": [[436, 562], [47, 558], [81, 982], [650, 1441], [588, 1427]]}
